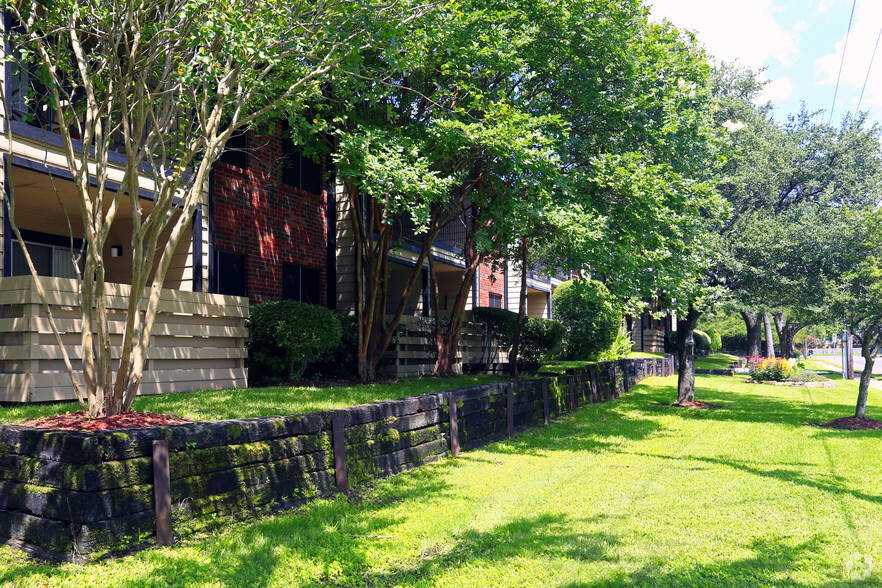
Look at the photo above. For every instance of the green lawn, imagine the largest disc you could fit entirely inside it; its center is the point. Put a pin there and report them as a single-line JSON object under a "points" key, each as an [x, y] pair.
{"points": [[629, 493], [255, 402], [715, 361]]}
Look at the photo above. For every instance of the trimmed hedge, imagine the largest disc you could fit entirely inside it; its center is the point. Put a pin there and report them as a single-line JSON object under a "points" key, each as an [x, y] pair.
{"points": [[590, 315], [539, 338], [285, 336]]}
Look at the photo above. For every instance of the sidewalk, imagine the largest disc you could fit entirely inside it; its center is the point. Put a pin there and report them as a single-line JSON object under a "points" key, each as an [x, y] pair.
{"points": [[837, 366]]}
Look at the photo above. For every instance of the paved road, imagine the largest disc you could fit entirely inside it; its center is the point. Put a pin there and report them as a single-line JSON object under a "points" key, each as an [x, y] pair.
{"points": [[836, 360]]}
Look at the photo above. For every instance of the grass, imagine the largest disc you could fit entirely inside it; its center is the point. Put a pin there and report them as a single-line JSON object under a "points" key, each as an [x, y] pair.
{"points": [[255, 402], [715, 361], [644, 355], [628, 493]]}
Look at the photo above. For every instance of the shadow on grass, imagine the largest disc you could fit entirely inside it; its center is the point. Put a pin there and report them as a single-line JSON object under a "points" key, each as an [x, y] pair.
{"points": [[772, 564], [828, 484]]}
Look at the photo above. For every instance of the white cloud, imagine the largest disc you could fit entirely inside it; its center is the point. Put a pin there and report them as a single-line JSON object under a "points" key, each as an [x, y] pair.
{"points": [[745, 31], [861, 40], [776, 91]]}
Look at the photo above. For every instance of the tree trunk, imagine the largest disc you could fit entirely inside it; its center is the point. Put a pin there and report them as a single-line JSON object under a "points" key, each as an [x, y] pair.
{"points": [[522, 312], [871, 340], [770, 338], [686, 355], [754, 333], [787, 330]]}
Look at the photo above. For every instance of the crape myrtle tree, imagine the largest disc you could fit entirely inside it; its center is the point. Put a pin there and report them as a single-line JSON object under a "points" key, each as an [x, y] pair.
{"points": [[167, 83], [638, 166], [425, 140]]}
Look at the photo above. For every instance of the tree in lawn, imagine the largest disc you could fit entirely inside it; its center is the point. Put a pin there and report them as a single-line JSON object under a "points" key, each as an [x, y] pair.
{"points": [[168, 83], [858, 301], [787, 246], [421, 144]]}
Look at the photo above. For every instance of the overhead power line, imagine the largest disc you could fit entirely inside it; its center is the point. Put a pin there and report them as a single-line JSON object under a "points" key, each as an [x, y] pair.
{"points": [[866, 79], [842, 61]]}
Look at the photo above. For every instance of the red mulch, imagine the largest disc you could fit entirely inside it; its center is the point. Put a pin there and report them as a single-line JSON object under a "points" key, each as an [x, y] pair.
{"points": [[80, 421], [850, 424], [696, 404]]}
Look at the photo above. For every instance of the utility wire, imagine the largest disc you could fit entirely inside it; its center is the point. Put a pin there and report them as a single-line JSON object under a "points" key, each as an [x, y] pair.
{"points": [[844, 48], [873, 56]]}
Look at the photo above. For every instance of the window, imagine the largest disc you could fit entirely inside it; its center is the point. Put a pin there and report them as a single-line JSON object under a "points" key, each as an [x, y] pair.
{"points": [[299, 171], [229, 273], [495, 300], [235, 152], [301, 283], [52, 255]]}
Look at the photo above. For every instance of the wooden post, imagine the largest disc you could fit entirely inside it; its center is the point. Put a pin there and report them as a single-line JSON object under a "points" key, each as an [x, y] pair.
{"points": [[593, 372], [572, 382], [545, 408], [454, 426], [162, 492], [509, 408], [341, 474], [626, 371], [612, 379]]}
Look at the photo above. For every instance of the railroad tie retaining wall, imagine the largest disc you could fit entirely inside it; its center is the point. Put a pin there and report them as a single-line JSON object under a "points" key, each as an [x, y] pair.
{"points": [[74, 496]]}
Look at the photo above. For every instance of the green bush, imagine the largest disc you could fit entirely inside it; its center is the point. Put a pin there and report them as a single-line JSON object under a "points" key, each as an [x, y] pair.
{"points": [[499, 325], [590, 315], [716, 341], [539, 338], [341, 360], [621, 347], [702, 342], [286, 336]]}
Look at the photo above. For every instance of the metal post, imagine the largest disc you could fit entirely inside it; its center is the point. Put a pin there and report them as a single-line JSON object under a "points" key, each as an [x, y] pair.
{"points": [[454, 426], [341, 474], [162, 493]]}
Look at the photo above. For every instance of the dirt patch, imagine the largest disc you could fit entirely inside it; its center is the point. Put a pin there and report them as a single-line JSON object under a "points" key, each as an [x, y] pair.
{"points": [[80, 421], [695, 404], [850, 424]]}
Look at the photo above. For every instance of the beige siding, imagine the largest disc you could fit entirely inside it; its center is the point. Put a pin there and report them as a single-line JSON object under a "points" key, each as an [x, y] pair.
{"points": [[198, 341]]}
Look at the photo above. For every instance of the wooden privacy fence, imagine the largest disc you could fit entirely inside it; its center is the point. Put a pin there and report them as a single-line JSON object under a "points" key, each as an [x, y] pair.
{"points": [[198, 340], [413, 350], [71, 495]]}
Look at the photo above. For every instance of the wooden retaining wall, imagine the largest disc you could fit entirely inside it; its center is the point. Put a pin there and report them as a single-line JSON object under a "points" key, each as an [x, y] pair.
{"points": [[74, 496], [198, 340]]}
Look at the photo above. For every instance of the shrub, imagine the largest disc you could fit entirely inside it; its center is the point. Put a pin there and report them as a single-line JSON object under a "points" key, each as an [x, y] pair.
{"points": [[539, 338], [340, 361], [716, 341], [499, 325], [769, 369], [621, 347], [702, 343], [590, 315], [286, 336]]}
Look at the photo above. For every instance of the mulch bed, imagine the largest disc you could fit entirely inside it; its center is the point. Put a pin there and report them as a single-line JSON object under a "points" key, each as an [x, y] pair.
{"points": [[80, 421], [850, 424], [694, 404]]}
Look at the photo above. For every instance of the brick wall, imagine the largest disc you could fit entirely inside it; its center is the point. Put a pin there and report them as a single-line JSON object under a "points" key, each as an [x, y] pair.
{"points": [[271, 223], [490, 282]]}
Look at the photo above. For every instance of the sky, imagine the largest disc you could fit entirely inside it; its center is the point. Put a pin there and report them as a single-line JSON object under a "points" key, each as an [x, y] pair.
{"points": [[800, 43]]}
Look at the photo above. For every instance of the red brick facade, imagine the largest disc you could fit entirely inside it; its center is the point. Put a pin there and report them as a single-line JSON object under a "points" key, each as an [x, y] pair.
{"points": [[490, 282], [268, 222]]}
